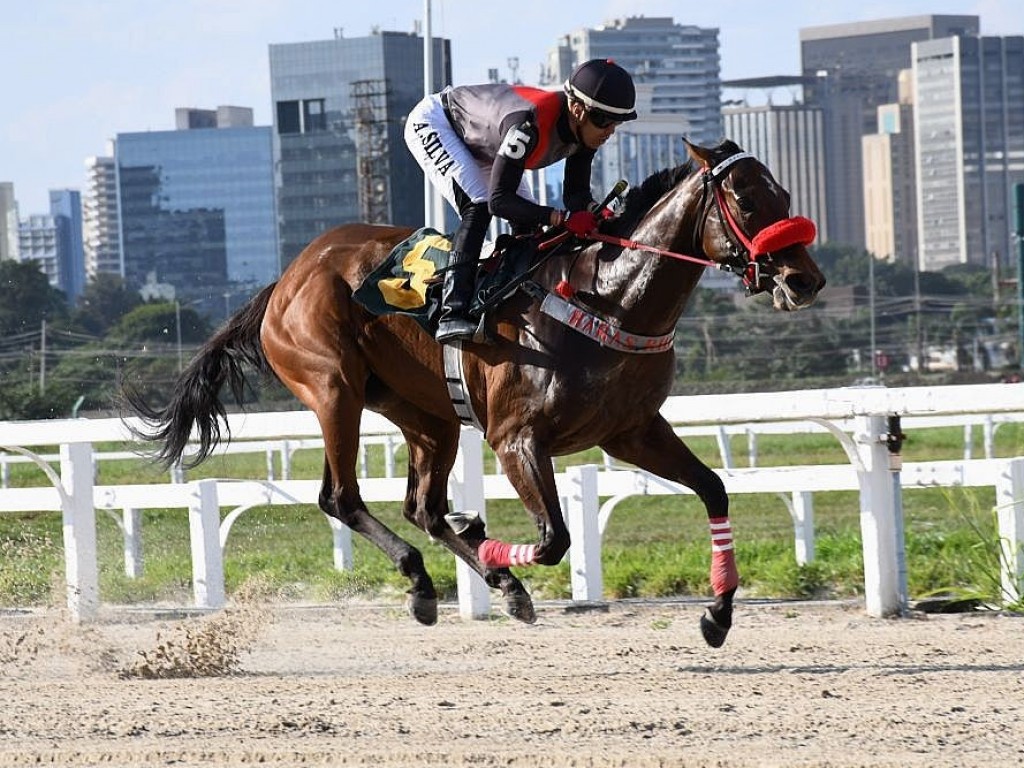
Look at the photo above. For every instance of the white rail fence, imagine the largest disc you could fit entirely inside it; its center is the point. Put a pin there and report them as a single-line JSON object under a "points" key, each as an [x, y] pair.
{"points": [[857, 417]]}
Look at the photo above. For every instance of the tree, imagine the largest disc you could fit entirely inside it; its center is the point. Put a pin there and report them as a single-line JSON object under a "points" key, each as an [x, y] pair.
{"points": [[158, 322], [27, 298], [104, 301]]}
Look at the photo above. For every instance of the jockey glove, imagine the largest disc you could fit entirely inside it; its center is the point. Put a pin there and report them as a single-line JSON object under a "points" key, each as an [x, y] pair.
{"points": [[581, 223]]}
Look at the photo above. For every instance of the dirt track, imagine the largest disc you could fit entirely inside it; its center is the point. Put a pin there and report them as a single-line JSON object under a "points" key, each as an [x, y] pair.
{"points": [[795, 685]]}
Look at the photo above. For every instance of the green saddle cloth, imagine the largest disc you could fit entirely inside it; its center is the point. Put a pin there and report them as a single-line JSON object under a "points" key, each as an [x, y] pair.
{"points": [[408, 281], [405, 282]]}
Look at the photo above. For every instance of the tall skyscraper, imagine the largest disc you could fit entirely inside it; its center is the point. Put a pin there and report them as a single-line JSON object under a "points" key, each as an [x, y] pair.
{"points": [[890, 181], [676, 68], [855, 67], [8, 222], [197, 213], [679, 61], [100, 222], [339, 108], [66, 210], [969, 133], [54, 241]]}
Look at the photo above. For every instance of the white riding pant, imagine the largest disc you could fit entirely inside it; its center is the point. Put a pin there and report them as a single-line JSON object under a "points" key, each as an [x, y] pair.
{"points": [[445, 159]]}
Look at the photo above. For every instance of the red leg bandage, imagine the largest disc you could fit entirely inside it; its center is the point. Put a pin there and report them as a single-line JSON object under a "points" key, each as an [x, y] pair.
{"points": [[723, 563], [499, 554]]}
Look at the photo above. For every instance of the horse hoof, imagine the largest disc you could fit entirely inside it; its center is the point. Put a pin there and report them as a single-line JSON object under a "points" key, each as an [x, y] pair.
{"points": [[423, 609], [714, 633], [520, 607]]}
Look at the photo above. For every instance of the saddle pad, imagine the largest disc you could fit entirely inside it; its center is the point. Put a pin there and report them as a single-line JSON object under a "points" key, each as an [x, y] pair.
{"points": [[400, 284]]}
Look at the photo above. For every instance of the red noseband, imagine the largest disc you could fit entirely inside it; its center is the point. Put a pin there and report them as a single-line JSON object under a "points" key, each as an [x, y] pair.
{"points": [[796, 230]]}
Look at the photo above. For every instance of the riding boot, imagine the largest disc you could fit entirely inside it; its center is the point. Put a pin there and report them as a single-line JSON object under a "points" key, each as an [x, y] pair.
{"points": [[456, 294]]}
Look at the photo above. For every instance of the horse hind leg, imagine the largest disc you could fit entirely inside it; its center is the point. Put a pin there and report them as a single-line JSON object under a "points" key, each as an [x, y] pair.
{"points": [[350, 510]]}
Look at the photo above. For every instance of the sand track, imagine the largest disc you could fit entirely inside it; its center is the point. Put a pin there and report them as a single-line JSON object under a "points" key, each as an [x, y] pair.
{"points": [[795, 685]]}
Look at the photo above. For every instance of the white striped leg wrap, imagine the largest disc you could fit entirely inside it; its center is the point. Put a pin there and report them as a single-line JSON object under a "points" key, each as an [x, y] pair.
{"points": [[721, 535], [522, 554]]}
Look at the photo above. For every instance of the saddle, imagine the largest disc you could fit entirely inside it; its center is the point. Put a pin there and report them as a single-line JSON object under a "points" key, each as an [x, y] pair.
{"points": [[409, 280]]}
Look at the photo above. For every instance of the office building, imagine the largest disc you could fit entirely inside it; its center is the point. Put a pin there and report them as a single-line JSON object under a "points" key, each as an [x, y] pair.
{"points": [[676, 69], [855, 68], [890, 188], [37, 241], [54, 241], [196, 209], [100, 223], [969, 132], [66, 211], [680, 62], [339, 108], [8, 222]]}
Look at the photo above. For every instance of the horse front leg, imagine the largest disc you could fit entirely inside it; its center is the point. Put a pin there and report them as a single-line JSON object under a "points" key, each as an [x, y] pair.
{"points": [[529, 470], [432, 447], [657, 449]]}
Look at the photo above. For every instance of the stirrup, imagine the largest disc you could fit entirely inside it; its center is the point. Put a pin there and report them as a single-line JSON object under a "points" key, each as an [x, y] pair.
{"points": [[455, 329]]}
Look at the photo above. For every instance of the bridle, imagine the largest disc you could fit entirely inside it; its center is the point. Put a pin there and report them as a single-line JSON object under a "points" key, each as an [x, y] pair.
{"points": [[750, 258]]}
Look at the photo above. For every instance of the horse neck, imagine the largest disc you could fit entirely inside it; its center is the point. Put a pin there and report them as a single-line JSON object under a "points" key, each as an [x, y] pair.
{"points": [[651, 291]]}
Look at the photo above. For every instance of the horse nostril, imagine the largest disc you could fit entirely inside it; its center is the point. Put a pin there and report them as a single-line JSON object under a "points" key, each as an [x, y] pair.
{"points": [[803, 285]]}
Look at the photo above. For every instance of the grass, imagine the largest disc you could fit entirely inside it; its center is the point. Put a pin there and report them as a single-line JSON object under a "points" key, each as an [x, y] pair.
{"points": [[654, 546]]}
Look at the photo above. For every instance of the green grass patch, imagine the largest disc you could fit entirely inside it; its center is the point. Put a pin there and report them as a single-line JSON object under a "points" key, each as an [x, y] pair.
{"points": [[654, 546]]}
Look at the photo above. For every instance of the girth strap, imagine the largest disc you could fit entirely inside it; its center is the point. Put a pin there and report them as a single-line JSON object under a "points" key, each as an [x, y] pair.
{"points": [[455, 378]]}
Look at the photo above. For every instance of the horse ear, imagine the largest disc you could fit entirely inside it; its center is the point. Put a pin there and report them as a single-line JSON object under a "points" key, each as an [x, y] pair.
{"points": [[700, 154]]}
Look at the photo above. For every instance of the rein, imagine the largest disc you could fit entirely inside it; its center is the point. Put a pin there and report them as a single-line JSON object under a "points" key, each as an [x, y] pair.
{"points": [[795, 230]]}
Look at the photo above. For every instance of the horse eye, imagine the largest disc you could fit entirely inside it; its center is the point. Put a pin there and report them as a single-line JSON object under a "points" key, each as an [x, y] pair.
{"points": [[746, 204]]}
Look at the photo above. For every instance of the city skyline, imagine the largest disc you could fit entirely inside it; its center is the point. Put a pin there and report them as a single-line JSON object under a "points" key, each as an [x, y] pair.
{"points": [[74, 89]]}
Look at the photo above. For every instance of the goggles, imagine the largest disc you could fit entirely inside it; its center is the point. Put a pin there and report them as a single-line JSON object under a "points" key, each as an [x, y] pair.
{"points": [[601, 120]]}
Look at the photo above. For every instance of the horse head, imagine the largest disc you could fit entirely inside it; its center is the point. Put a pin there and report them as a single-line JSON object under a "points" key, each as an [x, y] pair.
{"points": [[749, 230]]}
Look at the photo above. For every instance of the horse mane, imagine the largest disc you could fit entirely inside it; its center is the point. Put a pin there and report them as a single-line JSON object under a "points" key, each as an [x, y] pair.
{"points": [[639, 200]]}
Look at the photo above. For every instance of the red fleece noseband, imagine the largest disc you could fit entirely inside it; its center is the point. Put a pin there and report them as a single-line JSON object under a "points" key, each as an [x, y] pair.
{"points": [[782, 234]]}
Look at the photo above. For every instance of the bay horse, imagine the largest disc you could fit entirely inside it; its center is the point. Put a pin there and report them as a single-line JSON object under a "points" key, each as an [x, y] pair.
{"points": [[547, 385]]}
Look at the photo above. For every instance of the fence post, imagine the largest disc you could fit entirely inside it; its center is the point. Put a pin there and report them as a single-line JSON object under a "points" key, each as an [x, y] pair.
{"points": [[803, 526], [587, 577], [76, 474], [877, 518], [1010, 514], [466, 486], [342, 535], [207, 558], [131, 520]]}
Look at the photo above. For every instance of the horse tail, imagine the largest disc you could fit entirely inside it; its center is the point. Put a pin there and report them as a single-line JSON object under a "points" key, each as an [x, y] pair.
{"points": [[195, 400]]}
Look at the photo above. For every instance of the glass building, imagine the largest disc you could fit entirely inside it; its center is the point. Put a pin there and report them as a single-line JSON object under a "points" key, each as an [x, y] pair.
{"points": [[339, 110], [969, 135], [197, 216], [66, 210]]}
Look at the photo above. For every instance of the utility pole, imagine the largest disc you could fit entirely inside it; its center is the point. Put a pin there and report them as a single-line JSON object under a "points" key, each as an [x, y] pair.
{"points": [[871, 306], [177, 329], [42, 359], [1018, 229], [918, 339]]}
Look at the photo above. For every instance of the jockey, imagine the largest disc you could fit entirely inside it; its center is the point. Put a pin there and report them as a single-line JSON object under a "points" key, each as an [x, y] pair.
{"points": [[475, 143]]}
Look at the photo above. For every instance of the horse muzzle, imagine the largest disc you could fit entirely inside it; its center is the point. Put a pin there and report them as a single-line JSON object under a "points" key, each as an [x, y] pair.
{"points": [[795, 290]]}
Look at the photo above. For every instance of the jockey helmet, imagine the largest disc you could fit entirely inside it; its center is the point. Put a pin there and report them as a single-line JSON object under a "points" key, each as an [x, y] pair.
{"points": [[604, 88]]}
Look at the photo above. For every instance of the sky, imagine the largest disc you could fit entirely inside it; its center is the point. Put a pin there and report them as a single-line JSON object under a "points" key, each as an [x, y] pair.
{"points": [[78, 72]]}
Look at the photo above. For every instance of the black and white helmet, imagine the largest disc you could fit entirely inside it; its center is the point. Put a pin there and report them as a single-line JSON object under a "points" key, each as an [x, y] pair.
{"points": [[602, 86]]}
